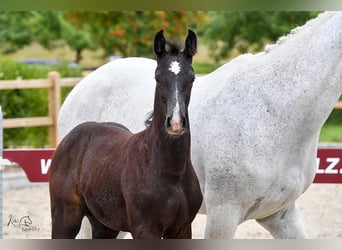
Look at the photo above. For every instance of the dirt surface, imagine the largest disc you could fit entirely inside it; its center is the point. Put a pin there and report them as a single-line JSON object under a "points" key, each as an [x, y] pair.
{"points": [[320, 205]]}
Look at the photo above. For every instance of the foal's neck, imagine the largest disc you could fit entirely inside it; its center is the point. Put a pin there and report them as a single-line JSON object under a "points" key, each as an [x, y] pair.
{"points": [[173, 152]]}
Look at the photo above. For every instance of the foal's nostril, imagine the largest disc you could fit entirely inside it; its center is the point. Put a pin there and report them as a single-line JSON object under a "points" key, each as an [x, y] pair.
{"points": [[183, 122], [174, 126], [168, 122]]}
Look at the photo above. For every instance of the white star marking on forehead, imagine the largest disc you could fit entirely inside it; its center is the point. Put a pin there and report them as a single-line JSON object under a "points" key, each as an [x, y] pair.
{"points": [[175, 67]]}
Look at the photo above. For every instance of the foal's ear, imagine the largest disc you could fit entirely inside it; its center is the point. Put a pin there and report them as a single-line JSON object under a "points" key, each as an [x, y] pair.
{"points": [[190, 44], [159, 43]]}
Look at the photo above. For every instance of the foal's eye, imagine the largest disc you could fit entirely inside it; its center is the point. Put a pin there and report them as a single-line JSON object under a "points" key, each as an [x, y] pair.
{"points": [[159, 84], [164, 99], [191, 81]]}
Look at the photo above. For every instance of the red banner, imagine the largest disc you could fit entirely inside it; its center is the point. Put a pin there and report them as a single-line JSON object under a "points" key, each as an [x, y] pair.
{"points": [[329, 161], [36, 163]]}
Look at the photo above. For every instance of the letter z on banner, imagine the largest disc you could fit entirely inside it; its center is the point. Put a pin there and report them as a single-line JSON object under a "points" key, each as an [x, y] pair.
{"points": [[329, 166]]}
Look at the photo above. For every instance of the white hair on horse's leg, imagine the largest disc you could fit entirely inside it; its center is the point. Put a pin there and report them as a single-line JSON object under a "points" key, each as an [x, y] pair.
{"points": [[86, 232]]}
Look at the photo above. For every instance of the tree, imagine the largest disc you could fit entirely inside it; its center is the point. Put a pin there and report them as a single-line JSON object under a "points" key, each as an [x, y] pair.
{"points": [[130, 33], [77, 39], [247, 31], [15, 31], [48, 28]]}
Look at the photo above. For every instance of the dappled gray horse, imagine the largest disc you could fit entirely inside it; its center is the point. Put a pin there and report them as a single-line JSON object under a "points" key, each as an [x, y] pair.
{"points": [[255, 123]]}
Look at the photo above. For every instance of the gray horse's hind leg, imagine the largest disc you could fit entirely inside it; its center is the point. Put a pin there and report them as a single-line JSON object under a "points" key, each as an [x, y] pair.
{"points": [[285, 224]]}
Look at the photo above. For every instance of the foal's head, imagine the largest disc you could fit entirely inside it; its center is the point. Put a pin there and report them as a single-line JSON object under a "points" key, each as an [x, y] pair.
{"points": [[174, 76]]}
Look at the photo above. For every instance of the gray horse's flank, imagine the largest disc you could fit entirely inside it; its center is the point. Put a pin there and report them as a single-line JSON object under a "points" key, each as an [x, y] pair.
{"points": [[255, 123]]}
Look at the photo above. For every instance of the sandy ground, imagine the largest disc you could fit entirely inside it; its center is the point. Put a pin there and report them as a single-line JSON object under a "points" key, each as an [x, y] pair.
{"points": [[320, 205]]}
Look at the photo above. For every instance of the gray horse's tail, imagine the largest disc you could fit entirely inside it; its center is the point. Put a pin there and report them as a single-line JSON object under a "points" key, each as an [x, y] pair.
{"points": [[148, 119]]}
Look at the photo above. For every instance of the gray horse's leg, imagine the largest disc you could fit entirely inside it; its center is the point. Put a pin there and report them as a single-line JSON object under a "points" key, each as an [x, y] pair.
{"points": [[222, 218], [85, 231], [220, 223], [285, 224]]}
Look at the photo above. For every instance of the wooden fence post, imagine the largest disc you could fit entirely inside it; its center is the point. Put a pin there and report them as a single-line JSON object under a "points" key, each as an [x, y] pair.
{"points": [[54, 106]]}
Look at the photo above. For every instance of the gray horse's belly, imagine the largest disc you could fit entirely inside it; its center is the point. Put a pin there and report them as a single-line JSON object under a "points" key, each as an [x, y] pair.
{"points": [[256, 184], [276, 198]]}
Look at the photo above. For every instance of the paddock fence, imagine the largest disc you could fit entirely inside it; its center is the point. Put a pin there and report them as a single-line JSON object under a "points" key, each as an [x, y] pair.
{"points": [[54, 83]]}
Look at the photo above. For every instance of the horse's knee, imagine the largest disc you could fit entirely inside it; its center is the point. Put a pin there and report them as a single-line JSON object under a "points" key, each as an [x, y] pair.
{"points": [[183, 233], [100, 231], [143, 231], [66, 220], [65, 228], [285, 224], [221, 223]]}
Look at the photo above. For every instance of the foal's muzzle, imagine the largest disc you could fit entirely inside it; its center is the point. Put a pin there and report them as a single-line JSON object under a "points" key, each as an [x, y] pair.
{"points": [[175, 125]]}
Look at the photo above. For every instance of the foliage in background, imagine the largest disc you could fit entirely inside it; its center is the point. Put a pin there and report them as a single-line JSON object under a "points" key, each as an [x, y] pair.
{"points": [[128, 33], [248, 31], [131, 33], [15, 31], [48, 28], [204, 68], [27, 102], [332, 129]]}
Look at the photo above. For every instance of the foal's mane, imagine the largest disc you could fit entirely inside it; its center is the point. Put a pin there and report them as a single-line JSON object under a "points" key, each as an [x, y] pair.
{"points": [[173, 48]]}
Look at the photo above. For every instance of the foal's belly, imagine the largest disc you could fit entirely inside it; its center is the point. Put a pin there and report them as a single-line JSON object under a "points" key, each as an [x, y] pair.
{"points": [[109, 210]]}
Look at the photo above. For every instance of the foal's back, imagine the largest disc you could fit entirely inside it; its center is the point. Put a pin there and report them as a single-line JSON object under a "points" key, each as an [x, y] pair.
{"points": [[94, 143]]}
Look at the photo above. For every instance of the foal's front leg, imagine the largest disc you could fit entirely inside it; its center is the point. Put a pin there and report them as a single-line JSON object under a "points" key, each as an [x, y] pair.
{"points": [[145, 231], [66, 221], [100, 231], [184, 233]]}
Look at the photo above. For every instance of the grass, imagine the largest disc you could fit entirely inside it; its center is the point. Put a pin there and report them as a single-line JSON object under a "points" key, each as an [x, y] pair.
{"points": [[331, 133], [204, 68], [332, 129], [35, 50]]}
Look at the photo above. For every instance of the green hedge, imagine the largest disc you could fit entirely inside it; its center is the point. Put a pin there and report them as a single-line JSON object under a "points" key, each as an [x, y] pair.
{"points": [[332, 129], [28, 102]]}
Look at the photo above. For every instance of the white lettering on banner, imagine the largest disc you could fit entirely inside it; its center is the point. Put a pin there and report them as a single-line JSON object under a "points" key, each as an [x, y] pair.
{"points": [[319, 170], [330, 168], [45, 165]]}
